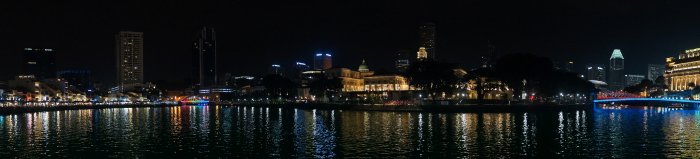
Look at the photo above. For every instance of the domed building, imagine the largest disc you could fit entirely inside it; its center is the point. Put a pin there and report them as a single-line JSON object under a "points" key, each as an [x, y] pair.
{"points": [[364, 70]]}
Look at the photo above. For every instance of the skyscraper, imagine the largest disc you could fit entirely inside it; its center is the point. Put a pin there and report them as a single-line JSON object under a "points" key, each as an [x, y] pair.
{"points": [[595, 72], [617, 68], [275, 69], [654, 71], [402, 61], [41, 63], [301, 67], [204, 70], [427, 39], [323, 60], [129, 52]]}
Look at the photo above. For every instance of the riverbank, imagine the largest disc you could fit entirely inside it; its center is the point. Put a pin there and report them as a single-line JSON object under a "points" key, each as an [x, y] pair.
{"points": [[428, 108], [401, 108], [30, 109]]}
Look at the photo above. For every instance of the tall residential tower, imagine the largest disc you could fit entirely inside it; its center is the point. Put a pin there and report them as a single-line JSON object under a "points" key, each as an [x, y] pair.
{"points": [[129, 53]]}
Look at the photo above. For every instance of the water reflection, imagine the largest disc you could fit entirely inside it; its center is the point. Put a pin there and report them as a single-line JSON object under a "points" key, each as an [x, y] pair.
{"points": [[253, 132]]}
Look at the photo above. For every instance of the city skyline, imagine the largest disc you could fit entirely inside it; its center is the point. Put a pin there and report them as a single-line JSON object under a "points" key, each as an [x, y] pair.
{"points": [[349, 79], [258, 44]]}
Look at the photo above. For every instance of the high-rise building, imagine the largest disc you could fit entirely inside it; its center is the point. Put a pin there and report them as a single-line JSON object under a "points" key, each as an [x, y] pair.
{"points": [[323, 60], [631, 80], [617, 68], [129, 52], [654, 71], [204, 70], [275, 69], [569, 66], [301, 67], [595, 72], [40, 63], [427, 39], [683, 72], [422, 53], [402, 61]]}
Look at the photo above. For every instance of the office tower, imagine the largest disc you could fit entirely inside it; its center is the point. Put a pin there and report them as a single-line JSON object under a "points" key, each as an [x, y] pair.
{"points": [[595, 72], [275, 69], [631, 80], [323, 60], [129, 52], [301, 67], [40, 63], [654, 71], [617, 68], [402, 61], [204, 62], [422, 53], [427, 39]]}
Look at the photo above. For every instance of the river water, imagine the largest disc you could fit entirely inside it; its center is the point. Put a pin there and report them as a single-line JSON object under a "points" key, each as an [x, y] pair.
{"points": [[255, 132]]}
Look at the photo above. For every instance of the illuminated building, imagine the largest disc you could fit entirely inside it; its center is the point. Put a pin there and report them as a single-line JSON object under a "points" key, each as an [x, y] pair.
{"points": [[631, 80], [204, 70], [401, 62], [323, 60], [386, 83], [427, 39], [129, 52], [684, 71], [654, 71], [41, 63], [492, 89], [422, 54], [301, 67], [364, 70], [595, 72], [351, 81], [617, 68]]}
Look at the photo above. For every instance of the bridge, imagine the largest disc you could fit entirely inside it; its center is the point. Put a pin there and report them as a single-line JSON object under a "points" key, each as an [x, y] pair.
{"points": [[628, 98]]}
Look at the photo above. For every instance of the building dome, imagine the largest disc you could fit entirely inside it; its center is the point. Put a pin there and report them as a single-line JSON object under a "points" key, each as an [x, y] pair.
{"points": [[363, 67]]}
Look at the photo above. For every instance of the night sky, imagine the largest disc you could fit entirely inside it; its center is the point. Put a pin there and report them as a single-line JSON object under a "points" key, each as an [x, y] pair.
{"points": [[254, 34]]}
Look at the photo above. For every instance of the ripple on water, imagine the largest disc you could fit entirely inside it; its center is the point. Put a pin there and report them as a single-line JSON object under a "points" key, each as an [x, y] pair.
{"points": [[188, 131]]}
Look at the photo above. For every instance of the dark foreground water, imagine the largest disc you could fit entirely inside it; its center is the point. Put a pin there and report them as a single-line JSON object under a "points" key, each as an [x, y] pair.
{"points": [[248, 132]]}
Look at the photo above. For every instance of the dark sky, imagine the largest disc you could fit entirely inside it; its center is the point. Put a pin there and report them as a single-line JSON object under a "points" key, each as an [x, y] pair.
{"points": [[256, 33]]}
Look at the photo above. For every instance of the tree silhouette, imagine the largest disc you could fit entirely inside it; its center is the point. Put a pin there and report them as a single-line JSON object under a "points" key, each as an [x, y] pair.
{"points": [[433, 77], [278, 86], [540, 75]]}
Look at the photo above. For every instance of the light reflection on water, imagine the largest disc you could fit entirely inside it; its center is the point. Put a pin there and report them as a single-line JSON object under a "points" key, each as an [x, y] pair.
{"points": [[201, 131]]}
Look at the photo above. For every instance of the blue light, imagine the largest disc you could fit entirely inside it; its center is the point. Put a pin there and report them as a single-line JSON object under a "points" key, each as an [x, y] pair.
{"points": [[647, 99], [328, 54], [319, 54], [301, 63]]}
